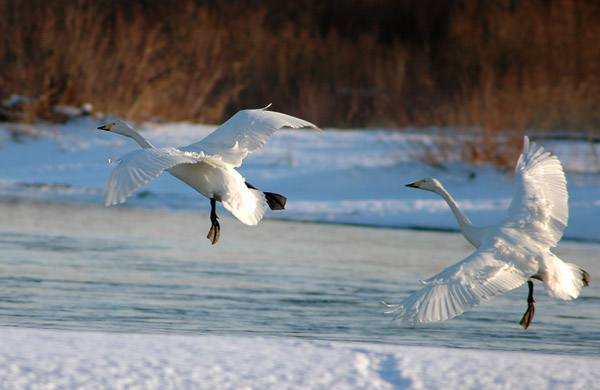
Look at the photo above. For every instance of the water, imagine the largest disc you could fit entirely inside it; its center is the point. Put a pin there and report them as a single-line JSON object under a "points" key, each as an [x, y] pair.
{"points": [[84, 267]]}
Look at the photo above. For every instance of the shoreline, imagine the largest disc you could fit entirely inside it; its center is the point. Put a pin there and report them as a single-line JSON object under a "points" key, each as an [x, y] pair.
{"points": [[4, 198]]}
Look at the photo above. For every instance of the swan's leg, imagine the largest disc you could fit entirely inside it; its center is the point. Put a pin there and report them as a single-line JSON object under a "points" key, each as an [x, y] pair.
{"points": [[215, 229], [275, 201], [528, 316]]}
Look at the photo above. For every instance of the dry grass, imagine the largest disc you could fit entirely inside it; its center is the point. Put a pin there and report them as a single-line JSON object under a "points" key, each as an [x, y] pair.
{"points": [[493, 69], [126, 61]]}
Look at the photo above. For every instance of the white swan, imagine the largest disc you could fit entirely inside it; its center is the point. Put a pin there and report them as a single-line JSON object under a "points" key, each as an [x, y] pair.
{"points": [[207, 166], [509, 253]]}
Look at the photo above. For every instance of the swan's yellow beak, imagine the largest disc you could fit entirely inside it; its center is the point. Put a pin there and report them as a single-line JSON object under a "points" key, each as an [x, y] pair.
{"points": [[416, 184], [106, 127]]}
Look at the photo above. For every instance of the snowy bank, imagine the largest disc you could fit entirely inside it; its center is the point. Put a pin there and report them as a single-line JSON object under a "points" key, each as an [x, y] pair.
{"points": [[354, 177], [45, 359]]}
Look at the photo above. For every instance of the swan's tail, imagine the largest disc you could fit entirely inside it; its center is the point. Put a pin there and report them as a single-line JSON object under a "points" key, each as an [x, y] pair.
{"points": [[563, 280], [248, 205]]}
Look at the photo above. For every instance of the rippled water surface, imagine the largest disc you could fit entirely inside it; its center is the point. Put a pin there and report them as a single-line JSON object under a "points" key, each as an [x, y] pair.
{"points": [[80, 266]]}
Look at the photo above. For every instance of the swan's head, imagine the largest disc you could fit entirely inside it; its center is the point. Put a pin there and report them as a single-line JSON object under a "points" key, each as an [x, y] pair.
{"points": [[427, 184], [118, 127]]}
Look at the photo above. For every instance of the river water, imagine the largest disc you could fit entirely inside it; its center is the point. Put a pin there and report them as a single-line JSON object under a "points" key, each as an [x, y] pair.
{"points": [[83, 267]]}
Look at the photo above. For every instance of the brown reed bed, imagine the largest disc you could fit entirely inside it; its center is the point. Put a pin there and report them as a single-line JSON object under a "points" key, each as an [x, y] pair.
{"points": [[498, 67]]}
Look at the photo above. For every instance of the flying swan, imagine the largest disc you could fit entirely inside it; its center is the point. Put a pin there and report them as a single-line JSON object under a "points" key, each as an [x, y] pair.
{"points": [[510, 253], [207, 166]]}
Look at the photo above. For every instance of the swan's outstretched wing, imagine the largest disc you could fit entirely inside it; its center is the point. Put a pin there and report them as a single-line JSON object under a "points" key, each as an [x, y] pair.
{"points": [[540, 205], [140, 167], [244, 133], [481, 276]]}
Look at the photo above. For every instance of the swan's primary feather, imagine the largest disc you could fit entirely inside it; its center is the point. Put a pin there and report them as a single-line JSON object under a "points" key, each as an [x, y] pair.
{"points": [[139, 167], [481, 276], [244, 133], [539, 207]]}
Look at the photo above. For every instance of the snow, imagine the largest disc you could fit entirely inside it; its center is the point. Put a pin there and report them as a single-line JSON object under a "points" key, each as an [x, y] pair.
{"points": [[355, 177], [43, 359]]}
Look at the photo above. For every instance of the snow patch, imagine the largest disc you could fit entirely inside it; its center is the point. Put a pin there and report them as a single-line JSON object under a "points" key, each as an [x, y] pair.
{"points": [[46, 359]]}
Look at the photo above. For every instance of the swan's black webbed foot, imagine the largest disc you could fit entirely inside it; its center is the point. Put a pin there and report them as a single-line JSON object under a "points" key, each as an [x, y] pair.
{"points": [[528, 316], [275, 201], [585, 278], [215, 232], [215, 229]]}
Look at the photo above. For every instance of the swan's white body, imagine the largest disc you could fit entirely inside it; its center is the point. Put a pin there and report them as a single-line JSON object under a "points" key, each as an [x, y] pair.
{"points": [[207, 166], [509, 253]]}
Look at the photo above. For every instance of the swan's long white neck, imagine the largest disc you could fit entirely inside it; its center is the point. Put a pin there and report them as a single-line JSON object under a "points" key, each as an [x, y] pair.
{"points": [[143, 142], [470, 231]]}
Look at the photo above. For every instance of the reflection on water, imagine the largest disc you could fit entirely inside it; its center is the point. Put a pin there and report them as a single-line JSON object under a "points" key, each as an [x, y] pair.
{"points": [[80, 266]]}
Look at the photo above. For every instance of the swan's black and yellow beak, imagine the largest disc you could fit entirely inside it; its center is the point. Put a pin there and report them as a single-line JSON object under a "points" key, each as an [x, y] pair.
{"points": [[106, 127], [416, 184]]}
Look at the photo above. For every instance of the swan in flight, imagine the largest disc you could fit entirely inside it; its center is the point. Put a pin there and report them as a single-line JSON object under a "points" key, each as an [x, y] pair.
{"points": [[207, 166], [510, 253]]}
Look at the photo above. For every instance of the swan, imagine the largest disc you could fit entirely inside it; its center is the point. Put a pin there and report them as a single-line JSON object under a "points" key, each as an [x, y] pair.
{"points": [[509, 253], [207, 166]]}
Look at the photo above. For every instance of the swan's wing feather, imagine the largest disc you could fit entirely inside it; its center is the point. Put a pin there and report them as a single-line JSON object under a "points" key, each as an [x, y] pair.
{"points": [[481, 276], [539, 207], [140, 167], [244, 133]]}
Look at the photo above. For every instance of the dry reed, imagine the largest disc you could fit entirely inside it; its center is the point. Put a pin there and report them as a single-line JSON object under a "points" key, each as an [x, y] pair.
{"points": [[493, 69]]}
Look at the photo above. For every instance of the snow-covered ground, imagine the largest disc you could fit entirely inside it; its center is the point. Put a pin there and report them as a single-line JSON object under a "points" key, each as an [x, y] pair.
{"points": [[355, 177], [42, 359]]}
